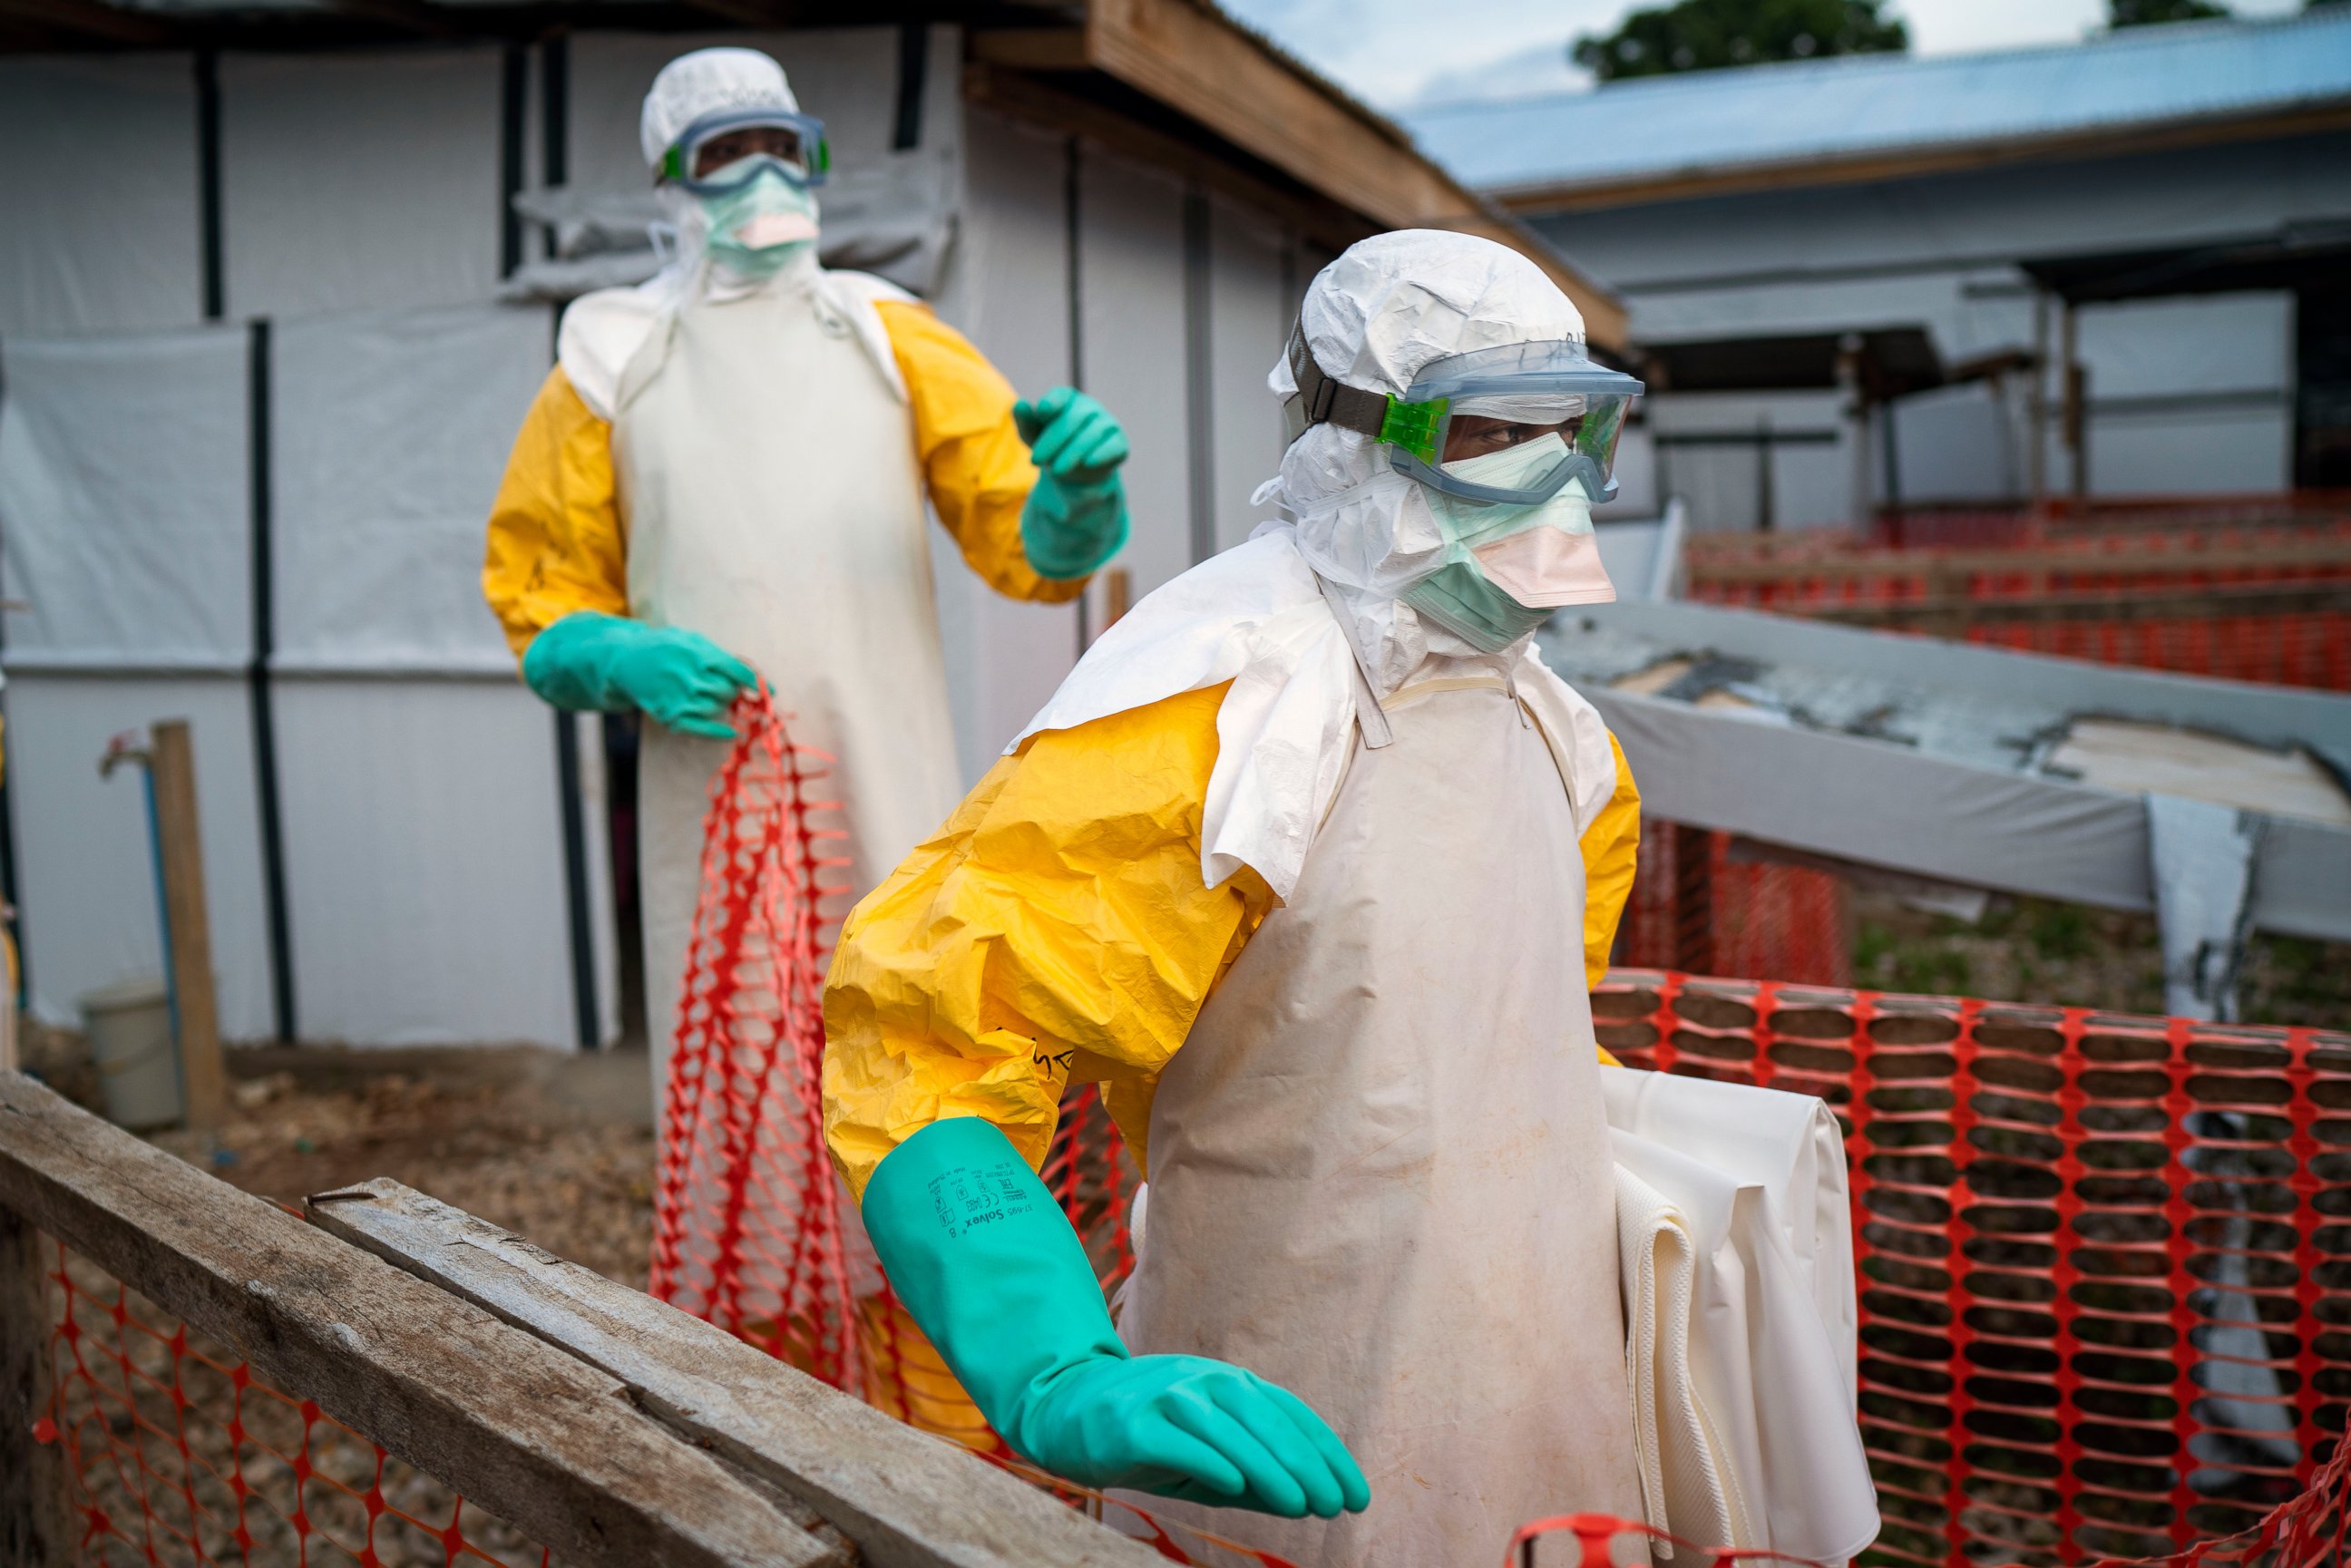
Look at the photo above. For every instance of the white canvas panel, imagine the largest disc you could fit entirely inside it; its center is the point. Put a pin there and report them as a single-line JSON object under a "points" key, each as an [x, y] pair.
{"points": [[392, 432], [1249, 321], [2217, 450], [424, 863], [2206, 342], [1006, 288], [123, 487], [361, 181], [1958, 443], [846, 77], [1811, 482], [100, 194], [1635, 473], [86, 875], [1130, 293]]}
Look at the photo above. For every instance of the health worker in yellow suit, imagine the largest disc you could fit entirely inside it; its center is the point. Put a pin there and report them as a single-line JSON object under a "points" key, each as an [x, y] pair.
{"points": [[725, 474], [1309, 864]]}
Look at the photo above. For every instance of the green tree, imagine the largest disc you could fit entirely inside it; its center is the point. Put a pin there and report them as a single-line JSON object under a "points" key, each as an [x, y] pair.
{"points": [[2147, 13], [1709, 35]]}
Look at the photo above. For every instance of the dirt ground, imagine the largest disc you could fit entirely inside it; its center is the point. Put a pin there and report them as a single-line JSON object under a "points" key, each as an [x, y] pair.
{"points": [[2033, 950], [556, 1147]]}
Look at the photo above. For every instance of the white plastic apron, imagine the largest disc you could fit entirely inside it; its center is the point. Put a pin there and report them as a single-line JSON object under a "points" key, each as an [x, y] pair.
{"points": [[769, 487], [1380, 1172]]}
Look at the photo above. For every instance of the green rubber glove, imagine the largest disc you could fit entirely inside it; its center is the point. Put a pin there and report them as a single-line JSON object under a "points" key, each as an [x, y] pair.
{"points": [[1076, 516], [989, 1267], [682, 679]]}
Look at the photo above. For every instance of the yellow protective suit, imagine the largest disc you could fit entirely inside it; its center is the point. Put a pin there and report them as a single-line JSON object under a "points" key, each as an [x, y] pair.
{"points": [[558, 542], [1057, 931]]}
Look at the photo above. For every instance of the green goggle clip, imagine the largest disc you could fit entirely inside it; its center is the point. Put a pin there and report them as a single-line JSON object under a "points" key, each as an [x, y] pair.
{"points": [[1414, 425]]}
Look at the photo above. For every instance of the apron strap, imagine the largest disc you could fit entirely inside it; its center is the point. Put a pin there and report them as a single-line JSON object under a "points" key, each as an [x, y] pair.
{"points": [[1370, 718]]}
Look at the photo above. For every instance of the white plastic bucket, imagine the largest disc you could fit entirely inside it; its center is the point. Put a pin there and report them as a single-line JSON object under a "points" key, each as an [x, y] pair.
{"points": [[130, 1028]]}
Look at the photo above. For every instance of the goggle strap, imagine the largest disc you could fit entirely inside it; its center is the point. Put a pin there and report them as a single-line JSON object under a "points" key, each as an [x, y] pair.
{"points": [[1323, 401]]}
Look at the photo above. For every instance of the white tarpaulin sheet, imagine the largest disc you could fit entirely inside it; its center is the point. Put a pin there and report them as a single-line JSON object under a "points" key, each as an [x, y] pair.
{"points": [[425, 863], [85, 873], [124, 506], [391, 433], [99, 226], [405, 212]]}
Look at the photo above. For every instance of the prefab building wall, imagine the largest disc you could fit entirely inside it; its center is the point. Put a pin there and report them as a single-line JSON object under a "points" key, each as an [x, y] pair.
{"points": [[256, 387]]}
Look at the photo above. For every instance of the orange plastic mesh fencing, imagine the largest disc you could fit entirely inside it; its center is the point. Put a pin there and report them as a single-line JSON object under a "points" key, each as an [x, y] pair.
{"points": [[2155, 597], [1696, 905], [752, 1229], [177, 1455], [2106, 1261]]}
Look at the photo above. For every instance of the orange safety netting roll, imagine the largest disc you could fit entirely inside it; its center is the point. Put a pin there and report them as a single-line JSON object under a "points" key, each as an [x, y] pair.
{"points": [[2105, 1262]]}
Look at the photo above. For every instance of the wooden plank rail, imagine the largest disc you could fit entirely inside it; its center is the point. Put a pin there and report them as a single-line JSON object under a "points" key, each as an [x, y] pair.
{"points": [[908, 1501], [556, 1447]]}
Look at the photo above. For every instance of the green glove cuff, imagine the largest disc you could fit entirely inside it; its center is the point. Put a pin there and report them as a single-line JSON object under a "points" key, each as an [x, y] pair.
{"points": [[988, 1265], [1069, 531]]}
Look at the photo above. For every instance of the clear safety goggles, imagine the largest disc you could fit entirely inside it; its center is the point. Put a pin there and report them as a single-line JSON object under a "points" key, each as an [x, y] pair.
{"points": [[1474, 406], [741, 145]]}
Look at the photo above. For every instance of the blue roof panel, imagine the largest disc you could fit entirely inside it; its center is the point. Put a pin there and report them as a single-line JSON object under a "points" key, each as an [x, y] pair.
{"points": [[1705, 121]]}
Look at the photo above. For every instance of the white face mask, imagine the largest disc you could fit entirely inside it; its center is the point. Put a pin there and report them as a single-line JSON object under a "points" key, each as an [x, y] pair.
{"points": [[1543, 556]]}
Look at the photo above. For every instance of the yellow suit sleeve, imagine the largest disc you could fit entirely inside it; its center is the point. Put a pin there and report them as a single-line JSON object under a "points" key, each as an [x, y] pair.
{"points": [[1609, 846], [975, 464], [1055, 931], [555, 541]]}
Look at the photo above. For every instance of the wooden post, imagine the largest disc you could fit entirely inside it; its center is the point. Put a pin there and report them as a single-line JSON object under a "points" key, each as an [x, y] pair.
{"points": [[1118, 595], [32, 1515], [2073, 388], [172, 762], [2036, 405]]}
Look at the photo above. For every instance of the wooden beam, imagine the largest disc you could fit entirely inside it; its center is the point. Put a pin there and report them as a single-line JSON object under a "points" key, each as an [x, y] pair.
{"points": [[1194, 60], [89, 18], [408, 16], [1868, 168], [179, 844], [907, 1500], [1030, 49], [556, 1447], [749, 13], [33, 1525]]}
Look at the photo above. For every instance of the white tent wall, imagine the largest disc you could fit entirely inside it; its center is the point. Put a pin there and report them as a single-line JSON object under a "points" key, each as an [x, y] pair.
{"points": [[363, 181], [124, 508], [2190, 396], [1253, 298], [425, 865], [85, 867], [1130, 285], [1707, 451], [1007, 286], [411, 763], [99, 226]]}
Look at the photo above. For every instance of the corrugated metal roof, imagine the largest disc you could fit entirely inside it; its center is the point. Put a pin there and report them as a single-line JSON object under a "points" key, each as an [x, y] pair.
{"points": [[1710, 121]]}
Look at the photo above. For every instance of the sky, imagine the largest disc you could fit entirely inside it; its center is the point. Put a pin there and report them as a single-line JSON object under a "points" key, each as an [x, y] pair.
{"points": [[1396, 54]]}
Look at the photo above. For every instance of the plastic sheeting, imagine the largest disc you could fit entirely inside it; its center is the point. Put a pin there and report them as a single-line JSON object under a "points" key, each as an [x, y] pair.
{"points": [[1007, 286], [390, 434], [100, 187], [425, 863], [1130, 266], [123, 483], [406, 211], [85, 873]]}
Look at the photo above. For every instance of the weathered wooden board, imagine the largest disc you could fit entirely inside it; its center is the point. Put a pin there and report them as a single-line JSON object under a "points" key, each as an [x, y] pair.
{"points": [[907, 1500], [557, 1447], [33, 1522]]}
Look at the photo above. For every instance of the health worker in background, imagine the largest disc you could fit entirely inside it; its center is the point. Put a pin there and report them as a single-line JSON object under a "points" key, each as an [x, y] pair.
{"points": [[724, 477], [1309, 864]]}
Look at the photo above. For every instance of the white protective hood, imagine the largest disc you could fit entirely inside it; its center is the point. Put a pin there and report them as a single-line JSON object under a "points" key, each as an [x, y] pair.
{"points": [[1291, 616]]}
